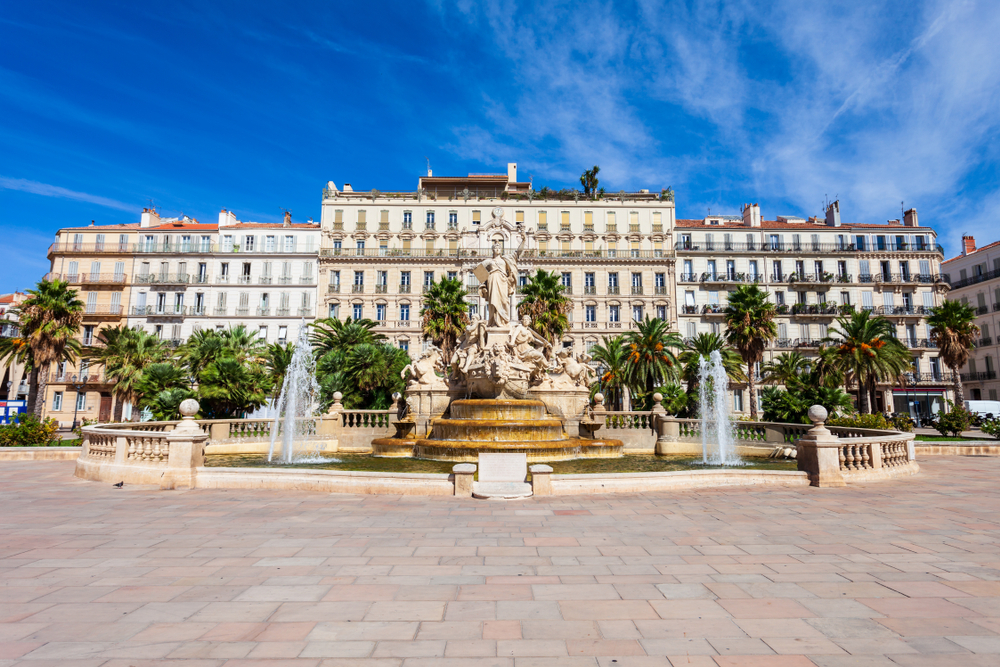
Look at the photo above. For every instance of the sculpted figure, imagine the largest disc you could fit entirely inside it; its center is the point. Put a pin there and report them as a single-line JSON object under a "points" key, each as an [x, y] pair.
{"points": [[498, 277], [576, 368], [525, 342], [423, 369]]}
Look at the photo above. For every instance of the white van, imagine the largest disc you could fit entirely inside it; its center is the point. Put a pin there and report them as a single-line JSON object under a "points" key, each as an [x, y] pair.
{"points": [[983, 408]]}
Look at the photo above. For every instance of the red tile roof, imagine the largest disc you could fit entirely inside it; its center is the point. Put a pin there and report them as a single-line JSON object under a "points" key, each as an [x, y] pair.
{"points": [[985, 247], [273, 225], [777, 224]]}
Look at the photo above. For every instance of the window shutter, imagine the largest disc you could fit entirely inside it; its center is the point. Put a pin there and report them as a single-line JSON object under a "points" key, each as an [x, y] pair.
{"points": [[887, 300], [925, 267], [866, 300], [929, 298], [95, 268], [865, 267]]}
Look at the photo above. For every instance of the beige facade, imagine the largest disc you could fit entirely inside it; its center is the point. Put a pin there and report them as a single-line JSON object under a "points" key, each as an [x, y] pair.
{"points": [[975, 281], [98, 262], [381, 249]]}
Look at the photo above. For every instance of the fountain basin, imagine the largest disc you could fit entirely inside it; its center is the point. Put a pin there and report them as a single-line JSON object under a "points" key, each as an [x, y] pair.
{"points": [[468, 452], [497, 409], [482, 430]]}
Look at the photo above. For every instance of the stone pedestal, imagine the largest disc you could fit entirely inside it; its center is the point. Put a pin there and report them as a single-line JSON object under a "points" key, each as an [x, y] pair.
{"points": [[819, 452], [570, 405], [187, 449], [541, 480], [464, 473], [428, 404]]}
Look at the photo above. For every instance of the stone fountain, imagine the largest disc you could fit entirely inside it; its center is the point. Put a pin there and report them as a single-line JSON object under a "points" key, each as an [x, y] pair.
{"points": [[505, 391]]}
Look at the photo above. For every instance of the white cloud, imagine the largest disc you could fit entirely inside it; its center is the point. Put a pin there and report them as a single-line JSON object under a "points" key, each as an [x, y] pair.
{"points": [[46, 190]]}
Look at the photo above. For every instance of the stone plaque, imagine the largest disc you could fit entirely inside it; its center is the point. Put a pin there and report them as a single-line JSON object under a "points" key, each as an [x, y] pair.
{"points": [[503, 467]]}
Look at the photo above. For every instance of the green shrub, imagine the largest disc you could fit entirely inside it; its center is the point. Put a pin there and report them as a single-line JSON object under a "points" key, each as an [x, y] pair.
{"points": [[902, 422], [27, 430], [991, 427], [954, 422], [875, 420]]}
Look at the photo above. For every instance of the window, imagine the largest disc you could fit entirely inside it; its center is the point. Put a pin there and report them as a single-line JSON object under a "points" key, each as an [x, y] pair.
{"points": [[738, 400], [428, 278], [692, 329], [404, 345], [453, 220], [407, 219], [81, 401], [88, 334], [567, 280], [404, 312], [270, 244], [334, 311], [845, 298], [779, 298], [404, 278], [589, 282], [661, 313], [360, 246], [477, 217], [614, 313], [359, 277], [262, 332], [358, 311], [282, 334], [202, 273], [380, 312], [337, 247], [248, 243], [637, 313], [430, 219], [613, 281], [57, 399], [637, 281], [591, 313], [453, 275]]}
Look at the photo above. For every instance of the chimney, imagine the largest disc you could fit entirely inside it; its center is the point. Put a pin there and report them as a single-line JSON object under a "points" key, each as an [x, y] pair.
{"points": [[751, 215], [150, 218], [512, 172], [227, 218], [287, 222], [968, 244], [833, 214], [348, 188], [910, 218]]}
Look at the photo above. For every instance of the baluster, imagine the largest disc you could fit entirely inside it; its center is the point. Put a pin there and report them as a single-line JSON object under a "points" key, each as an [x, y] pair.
{"points": [[865, 457], [131, 449], [843, 458]]}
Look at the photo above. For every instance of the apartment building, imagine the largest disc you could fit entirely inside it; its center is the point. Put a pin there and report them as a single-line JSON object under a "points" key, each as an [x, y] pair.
{"points": [[98, 262], [975, 281], [381, 250], [192, 276], [14, 385], [814, 268]]}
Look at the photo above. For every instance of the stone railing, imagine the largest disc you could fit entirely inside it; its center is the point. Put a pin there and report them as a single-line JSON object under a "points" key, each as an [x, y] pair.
{"points": [[356, 428], [639, 430]]}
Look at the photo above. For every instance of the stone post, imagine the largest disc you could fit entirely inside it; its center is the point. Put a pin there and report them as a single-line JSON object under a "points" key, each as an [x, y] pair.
{"points": [[668, 431], [331, 425], [819, 452], [463, 473], [598, 410], [187, 449], [219, 431], [541, 479]]}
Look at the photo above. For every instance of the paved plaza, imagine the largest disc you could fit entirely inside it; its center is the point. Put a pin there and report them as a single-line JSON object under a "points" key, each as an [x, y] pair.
{"points": [[903, 572]]}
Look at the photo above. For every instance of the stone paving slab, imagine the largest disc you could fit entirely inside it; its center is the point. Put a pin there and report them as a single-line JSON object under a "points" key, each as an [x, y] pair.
{"points": [[896, 573]]}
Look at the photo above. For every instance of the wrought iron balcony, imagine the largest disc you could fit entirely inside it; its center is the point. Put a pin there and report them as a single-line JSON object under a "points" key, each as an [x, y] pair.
{"points": [[979, 376], [98, 311], [902, 311], [713, 309], [358, 289]]}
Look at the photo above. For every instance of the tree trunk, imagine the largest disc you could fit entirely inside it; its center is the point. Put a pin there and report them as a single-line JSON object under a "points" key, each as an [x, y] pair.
{"points": [[119, 406], [871, 394], [959, 391], [32, 391], [862, 396], [752, 386], [38, 386]]}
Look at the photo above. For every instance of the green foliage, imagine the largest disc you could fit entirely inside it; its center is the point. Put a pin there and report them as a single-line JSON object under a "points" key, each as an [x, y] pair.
{"points": [[954, 422], [125, 352], [229, 388], [991, 427], [543, 300], [589, 181], [358, 363], [675, 399], [749, 328], [902, 422], [954, 332], [27, 430], [702, 346], [874, 420], [792, 405], [868, 351], [445, 315], [612, 377], [650, 359], [165, 405], [277, 360]]}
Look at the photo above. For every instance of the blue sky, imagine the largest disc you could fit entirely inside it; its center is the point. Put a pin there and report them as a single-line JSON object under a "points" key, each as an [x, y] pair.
{"points": [[105, 107]]}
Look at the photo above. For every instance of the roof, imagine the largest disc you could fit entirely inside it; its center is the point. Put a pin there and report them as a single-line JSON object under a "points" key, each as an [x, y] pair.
{"points": [[985, 247], [130, 225], [778, 224], [273, 225], [170, 226]]}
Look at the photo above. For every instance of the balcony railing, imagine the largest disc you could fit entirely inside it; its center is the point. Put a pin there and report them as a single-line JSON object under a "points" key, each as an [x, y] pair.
{"points": [[263, 311], [89, 278], [243, 280], [794, 343], [982, 310], [689, 310], [358, 289], [917, 343], [660, 290], [939, 377], [78, 378], [979, 376], [264, 280], [816, 309], [381, 289], [589, 290], [333, 289], [688, 278], [901, 310], [713, 309], [973, 280], [101, 310], [812, 278], [637, 289], [159, 311], [404, 289], [985, 341], [163, 279], [822, 248], [726, 277], [306, 280], [552, 253], [912, 278]]}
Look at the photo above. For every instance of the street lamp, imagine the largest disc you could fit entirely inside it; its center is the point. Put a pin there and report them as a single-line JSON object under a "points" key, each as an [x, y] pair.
{"points": [[76, 405]]}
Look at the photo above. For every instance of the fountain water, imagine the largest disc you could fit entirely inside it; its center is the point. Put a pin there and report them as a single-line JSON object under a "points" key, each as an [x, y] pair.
{"points": [[713, 406], [293, 422]]}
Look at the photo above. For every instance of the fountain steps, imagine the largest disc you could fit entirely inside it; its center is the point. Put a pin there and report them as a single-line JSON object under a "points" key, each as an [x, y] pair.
{"points": [[536, 452]]}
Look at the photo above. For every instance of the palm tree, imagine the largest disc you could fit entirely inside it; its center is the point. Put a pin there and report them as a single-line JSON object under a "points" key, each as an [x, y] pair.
{"points": [[787, 369], [125, 352], [612, 356], [868, 351], [651, 362], [703, 345], [954, 332], [589, 180], [49, 319], [445, 314], [229, 389], [202, 348], [243, 344], [750, 327], [333, 335], [279, 358], [544, 300]]}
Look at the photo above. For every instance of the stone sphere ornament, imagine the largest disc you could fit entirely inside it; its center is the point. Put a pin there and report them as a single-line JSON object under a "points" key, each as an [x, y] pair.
{"points": [[817, 414], [598, 398], [188, 408], [657, 397]]}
